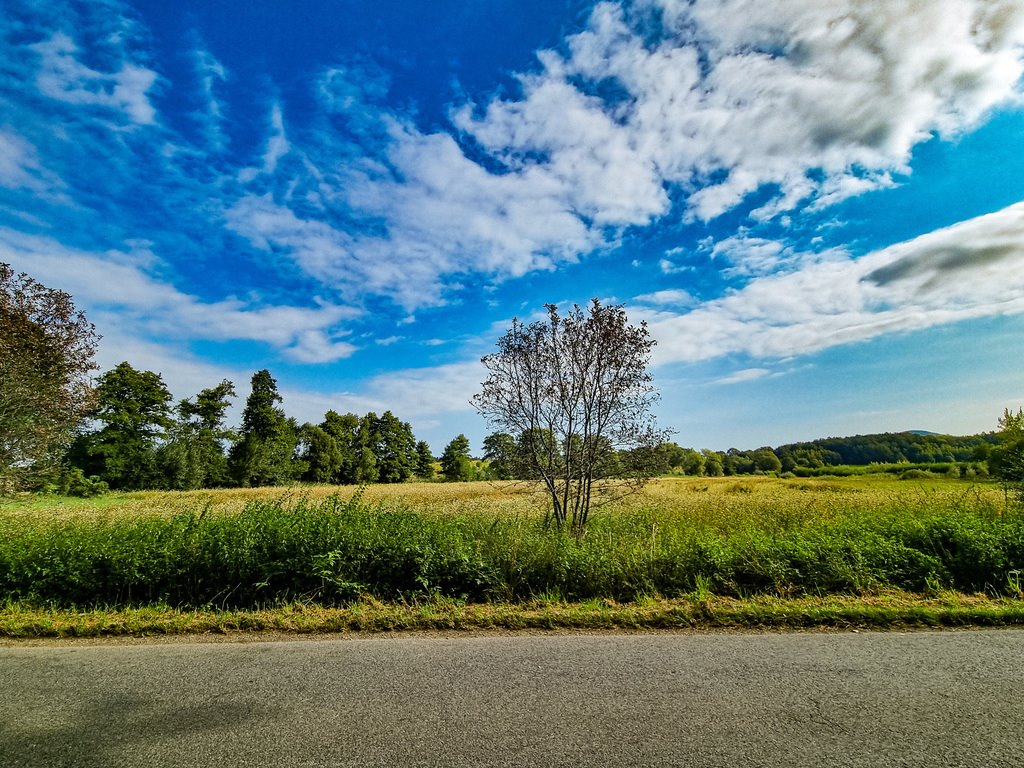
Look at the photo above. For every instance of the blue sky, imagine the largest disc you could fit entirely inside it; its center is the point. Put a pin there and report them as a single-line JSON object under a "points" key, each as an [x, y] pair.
{"points": [[815, 204]]}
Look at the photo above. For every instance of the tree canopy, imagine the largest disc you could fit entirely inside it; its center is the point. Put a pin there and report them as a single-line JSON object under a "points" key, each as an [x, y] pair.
{"points": [[193, 456], [134, 408], [46, 354], [1007, 459], [575, 390], [265, 451], [456, 465]]}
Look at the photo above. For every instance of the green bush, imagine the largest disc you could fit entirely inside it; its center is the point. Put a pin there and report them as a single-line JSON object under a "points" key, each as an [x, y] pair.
{"points": [[73, 482], [916, 474]]}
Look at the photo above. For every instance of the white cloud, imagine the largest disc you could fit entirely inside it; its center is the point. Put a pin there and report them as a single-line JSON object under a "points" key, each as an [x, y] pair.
{"points": [[445, 216], [970, 270], [422, 392], [675, 297], [758, 92], [824, 99], [63, 77], [669, 267], [350, 90], [19, 164], [752, 256], [747, 374], [587, 154], [114, 285], [210, 73], [277, 146]]}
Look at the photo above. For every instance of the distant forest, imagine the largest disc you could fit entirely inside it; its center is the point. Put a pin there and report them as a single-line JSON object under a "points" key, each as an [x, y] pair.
{"points": [[896, 453], [136, 439], [889, 448]]}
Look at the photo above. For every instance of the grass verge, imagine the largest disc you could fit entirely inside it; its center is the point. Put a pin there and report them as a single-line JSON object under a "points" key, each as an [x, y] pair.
{"points": [[896, 610]]}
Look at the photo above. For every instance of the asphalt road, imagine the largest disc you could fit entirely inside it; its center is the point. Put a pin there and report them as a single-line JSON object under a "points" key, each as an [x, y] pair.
{"points": [[918, 699]]}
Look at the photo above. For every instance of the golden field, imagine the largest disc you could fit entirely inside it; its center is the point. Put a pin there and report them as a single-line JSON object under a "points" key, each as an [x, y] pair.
{"points": [[709, 500]]}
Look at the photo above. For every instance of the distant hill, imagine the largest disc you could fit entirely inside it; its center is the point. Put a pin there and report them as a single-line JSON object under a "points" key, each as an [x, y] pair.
{"points": [[915, 447]]}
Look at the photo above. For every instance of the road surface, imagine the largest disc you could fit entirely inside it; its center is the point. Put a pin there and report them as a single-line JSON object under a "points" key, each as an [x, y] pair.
{"points": [[869, 699]]}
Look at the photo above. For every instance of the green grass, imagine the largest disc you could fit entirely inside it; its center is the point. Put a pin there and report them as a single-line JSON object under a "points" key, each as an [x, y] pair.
{"points": [[744, 552], [888, 611]]}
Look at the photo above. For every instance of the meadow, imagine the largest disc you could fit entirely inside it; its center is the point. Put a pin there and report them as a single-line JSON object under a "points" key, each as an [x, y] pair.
{"points": [[479, 549]]}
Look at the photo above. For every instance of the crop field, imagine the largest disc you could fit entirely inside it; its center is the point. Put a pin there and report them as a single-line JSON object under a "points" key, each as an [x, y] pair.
{"points": [[722, 501]]}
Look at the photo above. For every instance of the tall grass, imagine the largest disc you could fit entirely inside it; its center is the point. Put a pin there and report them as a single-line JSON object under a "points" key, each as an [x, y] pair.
{"points": [[330, 551]]}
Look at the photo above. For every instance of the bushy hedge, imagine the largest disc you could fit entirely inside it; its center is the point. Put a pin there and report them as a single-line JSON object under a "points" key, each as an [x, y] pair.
{"points": [[332, 551]]}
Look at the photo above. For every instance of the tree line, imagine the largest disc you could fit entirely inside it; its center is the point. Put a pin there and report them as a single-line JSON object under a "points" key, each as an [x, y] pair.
{"points": [[139, 440], [136, 439], [830, 454]]}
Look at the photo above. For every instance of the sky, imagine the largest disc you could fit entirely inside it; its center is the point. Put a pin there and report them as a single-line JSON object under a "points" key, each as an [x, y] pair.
{"points": [[817, 206]]}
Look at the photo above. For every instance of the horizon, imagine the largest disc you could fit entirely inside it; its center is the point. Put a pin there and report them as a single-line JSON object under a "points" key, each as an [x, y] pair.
{"points": [[817, 207]]}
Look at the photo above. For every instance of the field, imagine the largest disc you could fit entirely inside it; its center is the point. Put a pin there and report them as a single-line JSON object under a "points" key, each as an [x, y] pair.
{"points": [[685, 551]]}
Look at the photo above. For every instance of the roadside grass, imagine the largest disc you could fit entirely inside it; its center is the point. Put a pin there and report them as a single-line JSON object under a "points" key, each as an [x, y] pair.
{"points": [[890, 611], [694, 552]]}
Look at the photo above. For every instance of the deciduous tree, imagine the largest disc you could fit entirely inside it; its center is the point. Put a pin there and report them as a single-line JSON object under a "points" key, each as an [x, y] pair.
{"points": [[134, 408], [345, 431], [456, 466], [46, 355], [1007, 459], [502, 453], [577, 389], [193, 456], [394, 446], [321, 453]]}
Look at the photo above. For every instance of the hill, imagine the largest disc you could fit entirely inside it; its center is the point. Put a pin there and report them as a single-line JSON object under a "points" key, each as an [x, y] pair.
{"points": [[916, 447]]}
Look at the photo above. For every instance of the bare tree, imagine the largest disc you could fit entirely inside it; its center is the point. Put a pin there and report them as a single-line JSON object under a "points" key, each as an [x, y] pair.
{"points": [[46, 355], [577, 393]]}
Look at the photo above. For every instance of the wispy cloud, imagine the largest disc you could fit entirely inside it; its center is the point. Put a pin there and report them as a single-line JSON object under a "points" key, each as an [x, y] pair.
{"points": [[710, 100], [970, 270], [444, 216], [63, 77], [657, 110], [745, 375], [277, 146], [210, 113], [746, 255], [19, 164], [669, 267], [114, 287], [670, 297], [823, 100]]}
